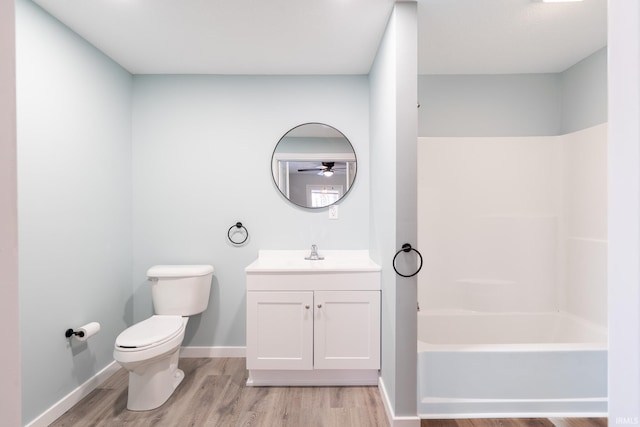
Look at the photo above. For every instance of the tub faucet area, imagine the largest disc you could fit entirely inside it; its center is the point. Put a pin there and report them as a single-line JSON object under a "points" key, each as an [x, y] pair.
{"points": [[313, 256]]}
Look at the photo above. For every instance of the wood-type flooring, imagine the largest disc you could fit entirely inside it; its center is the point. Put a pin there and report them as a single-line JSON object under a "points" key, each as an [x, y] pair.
{"points": [[518, 422], [214, 394]]}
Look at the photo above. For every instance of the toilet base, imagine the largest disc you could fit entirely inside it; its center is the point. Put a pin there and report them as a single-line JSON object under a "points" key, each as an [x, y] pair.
{"points": [[150, 387]]}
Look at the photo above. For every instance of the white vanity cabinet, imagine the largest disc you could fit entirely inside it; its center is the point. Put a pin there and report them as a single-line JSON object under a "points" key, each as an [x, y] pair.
{"points": [[279, 330], [313, 330], [313, 322], [346, 330]]}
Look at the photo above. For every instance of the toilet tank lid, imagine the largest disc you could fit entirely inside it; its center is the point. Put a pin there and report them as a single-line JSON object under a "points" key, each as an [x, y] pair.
{"points": [[179, 270]]}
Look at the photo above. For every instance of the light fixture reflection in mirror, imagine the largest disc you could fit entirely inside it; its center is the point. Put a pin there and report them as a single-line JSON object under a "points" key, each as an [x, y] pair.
{"points": [[314, 165]]}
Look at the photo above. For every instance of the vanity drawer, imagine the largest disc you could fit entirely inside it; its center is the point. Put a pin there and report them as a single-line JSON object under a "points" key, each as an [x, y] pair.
{"points": [[333, 281]]}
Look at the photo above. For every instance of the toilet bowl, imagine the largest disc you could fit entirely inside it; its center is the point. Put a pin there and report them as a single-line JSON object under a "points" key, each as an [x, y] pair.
{"points": [[150, 349]]}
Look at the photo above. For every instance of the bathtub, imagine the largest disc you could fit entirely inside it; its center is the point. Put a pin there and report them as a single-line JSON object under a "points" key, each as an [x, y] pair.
{"points": [[510, 365]]}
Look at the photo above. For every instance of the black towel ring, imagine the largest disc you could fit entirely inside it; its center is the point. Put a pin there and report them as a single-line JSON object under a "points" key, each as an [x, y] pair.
{"points": [[238, 229], [407, 248]]}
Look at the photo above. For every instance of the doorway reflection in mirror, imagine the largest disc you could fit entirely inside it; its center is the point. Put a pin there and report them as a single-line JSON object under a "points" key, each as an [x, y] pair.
{"points": [[314, 165]]}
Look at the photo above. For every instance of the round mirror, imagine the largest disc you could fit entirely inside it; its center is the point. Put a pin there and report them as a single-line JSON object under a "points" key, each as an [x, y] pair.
{"points": [[314, 165]]}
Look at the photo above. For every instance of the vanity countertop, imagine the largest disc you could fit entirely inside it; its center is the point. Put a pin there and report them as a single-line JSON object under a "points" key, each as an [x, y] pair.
{"points": [[292, 261]]}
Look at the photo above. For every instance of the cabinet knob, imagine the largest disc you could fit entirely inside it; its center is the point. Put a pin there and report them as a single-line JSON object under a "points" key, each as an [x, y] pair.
{"points": [[319, 305], [307, 306]]}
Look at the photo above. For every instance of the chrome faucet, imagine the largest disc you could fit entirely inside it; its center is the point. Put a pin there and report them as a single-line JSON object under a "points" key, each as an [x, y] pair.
{"points": [[314, 254]]}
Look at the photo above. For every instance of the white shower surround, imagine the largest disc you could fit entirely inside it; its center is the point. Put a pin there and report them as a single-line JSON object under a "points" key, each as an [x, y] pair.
{"points": [[514, 224], [513, 232]]}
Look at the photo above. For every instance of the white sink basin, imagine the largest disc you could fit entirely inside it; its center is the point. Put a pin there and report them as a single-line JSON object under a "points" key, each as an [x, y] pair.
{"points": [[289, 271], [273, 261]]}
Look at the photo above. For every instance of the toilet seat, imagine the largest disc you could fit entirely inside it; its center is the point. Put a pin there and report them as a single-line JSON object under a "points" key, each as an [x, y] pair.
{"points": [[150, 333], [165, 337]]}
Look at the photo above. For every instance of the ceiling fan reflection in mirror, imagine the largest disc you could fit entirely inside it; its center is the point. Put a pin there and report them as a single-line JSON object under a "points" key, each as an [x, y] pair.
{"points": [[327, 169]]}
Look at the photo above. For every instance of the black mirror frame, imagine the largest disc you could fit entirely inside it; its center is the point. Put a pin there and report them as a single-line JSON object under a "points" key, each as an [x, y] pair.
{"points": [[273, 178]]}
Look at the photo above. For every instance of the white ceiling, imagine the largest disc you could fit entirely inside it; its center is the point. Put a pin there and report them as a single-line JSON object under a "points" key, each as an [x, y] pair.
{"points": [[508, 36], [332, 36]]}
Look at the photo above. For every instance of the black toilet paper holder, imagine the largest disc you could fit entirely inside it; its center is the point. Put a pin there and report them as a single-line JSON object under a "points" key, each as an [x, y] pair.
{"points": [[70, 332]]}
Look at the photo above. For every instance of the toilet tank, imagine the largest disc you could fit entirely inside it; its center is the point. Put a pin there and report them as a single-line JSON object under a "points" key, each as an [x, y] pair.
{"points": [[180, 289]]}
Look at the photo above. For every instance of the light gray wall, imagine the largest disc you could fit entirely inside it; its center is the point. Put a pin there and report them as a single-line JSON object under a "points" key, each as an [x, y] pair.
{"points": [[202, 149], [74, 204], [393, 86], [406, 205], [383, 194], [515, 104], [624, 211], [489, 105], [584, 93], [9, 317]]}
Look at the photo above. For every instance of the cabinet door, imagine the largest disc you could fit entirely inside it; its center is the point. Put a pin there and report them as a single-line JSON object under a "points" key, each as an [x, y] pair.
{"points": [[347, 330], [279, 330]]}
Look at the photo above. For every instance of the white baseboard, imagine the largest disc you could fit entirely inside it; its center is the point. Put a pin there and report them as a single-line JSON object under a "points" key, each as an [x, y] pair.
{"points": [[395, 421], [189, 352], [67, 402]]}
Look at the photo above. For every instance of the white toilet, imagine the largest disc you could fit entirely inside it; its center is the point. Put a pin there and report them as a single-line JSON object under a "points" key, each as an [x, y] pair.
{"points": [[149, 350]]}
